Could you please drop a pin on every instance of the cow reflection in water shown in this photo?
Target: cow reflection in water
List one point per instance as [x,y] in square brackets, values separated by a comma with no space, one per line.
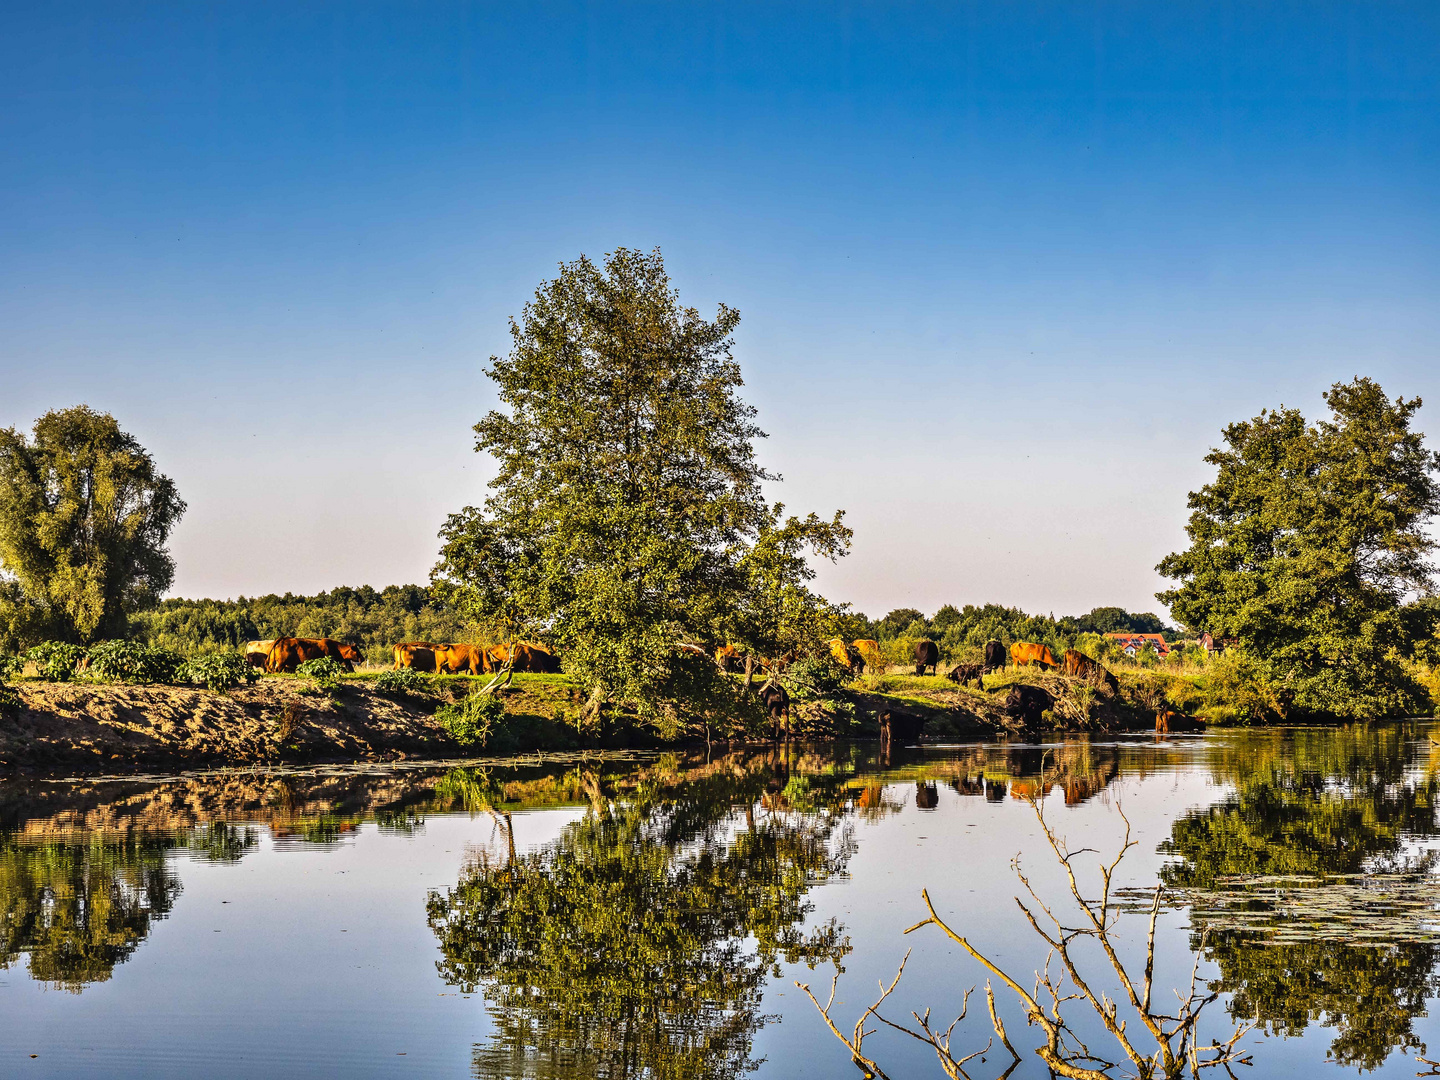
[927,797]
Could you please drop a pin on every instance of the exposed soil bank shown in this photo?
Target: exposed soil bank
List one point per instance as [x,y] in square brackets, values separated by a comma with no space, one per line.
[118,728]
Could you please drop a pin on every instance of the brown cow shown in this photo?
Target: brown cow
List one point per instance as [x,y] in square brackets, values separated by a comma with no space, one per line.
[1167,720]
[257,651]
[288,653]
[927,655]
[1024,653]
[454,659]
[870,653]
[527,658]
[994,656]
[728,658]
[847,656]
[419,657]
[396,650]
[1079,666]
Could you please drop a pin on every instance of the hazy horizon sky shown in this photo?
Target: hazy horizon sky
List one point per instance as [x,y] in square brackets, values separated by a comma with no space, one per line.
[1004,271]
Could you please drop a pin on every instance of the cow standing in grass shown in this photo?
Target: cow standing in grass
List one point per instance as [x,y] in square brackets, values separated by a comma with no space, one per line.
[927,655]
[994,656]
[1025,653]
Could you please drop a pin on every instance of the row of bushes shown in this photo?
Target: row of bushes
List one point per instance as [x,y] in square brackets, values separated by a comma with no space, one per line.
[131,662]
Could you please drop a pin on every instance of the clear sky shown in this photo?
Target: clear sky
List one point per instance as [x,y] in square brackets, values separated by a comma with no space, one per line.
[1005,269]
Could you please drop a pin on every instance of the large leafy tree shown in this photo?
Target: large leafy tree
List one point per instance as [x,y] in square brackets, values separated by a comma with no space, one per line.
[1308,543]
[627,518]
[84,519]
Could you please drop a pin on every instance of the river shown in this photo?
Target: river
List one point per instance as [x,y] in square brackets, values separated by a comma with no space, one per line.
[650,915]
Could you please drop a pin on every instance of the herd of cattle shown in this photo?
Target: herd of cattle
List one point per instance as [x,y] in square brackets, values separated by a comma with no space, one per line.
[862,654]
[288,653]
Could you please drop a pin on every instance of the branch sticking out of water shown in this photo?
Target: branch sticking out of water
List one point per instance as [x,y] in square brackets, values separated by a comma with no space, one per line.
[1178,1050]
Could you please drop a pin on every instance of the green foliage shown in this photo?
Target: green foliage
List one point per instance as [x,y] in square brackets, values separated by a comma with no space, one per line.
[400,682]
[375,619]
[326,671]
[131,661]
[217,671]
[473,720]
[84,519]
[1306,545]
[627,515]
[56,660]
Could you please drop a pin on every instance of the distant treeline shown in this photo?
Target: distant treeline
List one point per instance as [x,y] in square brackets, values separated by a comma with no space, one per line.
[374,619]
[959,631]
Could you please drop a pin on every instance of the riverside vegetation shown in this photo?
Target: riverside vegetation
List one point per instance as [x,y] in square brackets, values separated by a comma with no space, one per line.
[626,529]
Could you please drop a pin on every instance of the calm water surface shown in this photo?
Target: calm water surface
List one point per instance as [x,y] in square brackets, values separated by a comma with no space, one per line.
[649,917]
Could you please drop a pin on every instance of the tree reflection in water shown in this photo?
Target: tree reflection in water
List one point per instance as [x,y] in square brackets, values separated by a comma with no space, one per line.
[78,906]
[1312,803]
[639,941]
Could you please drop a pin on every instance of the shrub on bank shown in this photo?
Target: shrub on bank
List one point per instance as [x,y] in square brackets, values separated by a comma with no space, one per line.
[131,661]
[326,671]
[473,720]
[217,672]
[56,660]
[401,682]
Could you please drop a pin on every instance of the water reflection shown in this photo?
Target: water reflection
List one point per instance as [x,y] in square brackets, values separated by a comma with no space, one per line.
[639,941]
[1311,806]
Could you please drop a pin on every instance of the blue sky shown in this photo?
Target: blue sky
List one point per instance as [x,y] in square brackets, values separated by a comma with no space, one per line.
[1005,270]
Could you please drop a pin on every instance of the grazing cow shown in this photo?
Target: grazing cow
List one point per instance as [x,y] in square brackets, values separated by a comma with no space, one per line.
[417,656]
[994,656]
[961,674]
[927,655]
[396,650]
[455,659]
[1027,703]
[527,658]
[847,656]
[1024,653]
[257,651]
[870,654]
[777,706]
[288,653]
[1079,666]
[899,727]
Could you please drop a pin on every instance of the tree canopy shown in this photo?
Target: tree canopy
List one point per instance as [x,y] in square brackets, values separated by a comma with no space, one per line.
[1308,543]
[84,519]
[627,517]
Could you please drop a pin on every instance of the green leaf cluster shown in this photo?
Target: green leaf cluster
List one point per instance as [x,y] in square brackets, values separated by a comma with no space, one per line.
[1307,546]
[401,682]
[84,520]
[133,661]
[326,671]
[217,671]
[55,660]
[473,720]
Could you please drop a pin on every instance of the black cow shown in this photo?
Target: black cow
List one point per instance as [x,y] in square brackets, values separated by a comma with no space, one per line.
[964,673]
[927,655]
[994,656]
[898,727]
[777,706]
[1028,702]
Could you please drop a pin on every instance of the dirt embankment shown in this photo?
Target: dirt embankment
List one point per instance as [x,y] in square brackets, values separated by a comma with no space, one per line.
[121,728]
